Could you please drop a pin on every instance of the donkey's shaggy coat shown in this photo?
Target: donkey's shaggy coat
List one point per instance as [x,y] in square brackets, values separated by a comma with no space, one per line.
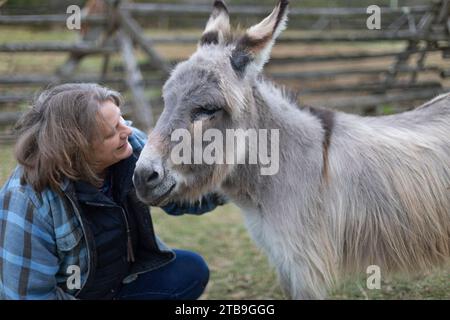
[351,191]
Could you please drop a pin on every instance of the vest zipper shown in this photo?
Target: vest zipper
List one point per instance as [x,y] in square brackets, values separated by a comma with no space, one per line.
[130,253]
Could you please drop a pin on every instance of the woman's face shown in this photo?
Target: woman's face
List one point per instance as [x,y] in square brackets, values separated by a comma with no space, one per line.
[114,146]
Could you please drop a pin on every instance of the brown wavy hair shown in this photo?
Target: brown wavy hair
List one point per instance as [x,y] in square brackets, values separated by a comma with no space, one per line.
[55,136]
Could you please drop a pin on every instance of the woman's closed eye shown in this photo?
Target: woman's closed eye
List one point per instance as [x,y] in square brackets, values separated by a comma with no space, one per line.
[204,112]
[115,129]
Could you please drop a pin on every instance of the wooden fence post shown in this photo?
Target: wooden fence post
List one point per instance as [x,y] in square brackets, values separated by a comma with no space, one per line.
[142,110]
[135,32]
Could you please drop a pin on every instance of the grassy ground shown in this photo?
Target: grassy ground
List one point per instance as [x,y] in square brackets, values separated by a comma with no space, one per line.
[240,271]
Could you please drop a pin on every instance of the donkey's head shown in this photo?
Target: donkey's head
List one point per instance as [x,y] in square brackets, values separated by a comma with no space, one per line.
[213,89]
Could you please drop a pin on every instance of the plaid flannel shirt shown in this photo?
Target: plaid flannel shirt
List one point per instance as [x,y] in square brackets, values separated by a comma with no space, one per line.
[41,237]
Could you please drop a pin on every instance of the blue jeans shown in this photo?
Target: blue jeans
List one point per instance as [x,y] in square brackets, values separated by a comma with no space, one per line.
[185,278]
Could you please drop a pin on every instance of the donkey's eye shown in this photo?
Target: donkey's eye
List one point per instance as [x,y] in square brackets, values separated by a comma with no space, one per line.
[204,112]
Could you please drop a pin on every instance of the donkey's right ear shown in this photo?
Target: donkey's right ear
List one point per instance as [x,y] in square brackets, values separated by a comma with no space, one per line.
[218,26]
[252,51]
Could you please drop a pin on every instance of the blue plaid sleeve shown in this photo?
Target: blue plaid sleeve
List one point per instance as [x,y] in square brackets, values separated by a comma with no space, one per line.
[206,204]
[28,259]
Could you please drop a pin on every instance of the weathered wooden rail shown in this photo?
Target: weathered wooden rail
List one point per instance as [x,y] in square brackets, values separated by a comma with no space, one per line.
[46,19]
[421,31]
[201,9]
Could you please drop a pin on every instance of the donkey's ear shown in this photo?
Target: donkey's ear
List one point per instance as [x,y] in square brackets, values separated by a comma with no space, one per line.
[254,48]
[218,26]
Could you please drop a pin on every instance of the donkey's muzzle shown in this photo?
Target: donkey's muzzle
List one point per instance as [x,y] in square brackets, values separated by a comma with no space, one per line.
[147,178]
[152,184]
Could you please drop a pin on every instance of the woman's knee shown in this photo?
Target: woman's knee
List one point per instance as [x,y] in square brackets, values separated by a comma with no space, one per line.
[193,265]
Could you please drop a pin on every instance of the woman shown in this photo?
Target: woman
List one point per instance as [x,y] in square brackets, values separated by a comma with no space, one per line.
[71,226]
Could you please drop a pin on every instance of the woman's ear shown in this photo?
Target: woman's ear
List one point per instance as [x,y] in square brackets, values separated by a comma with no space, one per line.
[253,50]
[217,29]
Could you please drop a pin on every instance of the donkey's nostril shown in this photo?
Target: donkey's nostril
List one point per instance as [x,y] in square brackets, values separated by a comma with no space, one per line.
[152,177]
[147,178]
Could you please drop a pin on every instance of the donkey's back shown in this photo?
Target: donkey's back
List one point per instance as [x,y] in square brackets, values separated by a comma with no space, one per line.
[391,178]
[432,114]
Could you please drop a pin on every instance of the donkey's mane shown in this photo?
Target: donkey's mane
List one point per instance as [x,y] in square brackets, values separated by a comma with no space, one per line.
[287,94]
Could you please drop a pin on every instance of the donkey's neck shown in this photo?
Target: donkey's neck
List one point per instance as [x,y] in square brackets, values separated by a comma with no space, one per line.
[301,136]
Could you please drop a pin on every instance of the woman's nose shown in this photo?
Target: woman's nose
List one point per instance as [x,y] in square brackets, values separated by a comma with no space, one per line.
[126,133]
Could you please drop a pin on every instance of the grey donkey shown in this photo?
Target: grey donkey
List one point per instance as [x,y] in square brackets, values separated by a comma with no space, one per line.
[350,191]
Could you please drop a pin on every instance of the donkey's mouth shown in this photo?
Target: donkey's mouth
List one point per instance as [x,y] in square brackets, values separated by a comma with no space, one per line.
[157,196]
[163,199]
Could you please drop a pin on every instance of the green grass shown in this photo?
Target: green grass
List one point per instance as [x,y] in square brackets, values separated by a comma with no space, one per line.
[240,271]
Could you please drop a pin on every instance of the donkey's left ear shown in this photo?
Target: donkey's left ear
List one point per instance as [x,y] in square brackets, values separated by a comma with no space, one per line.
[253,49]
[217,29]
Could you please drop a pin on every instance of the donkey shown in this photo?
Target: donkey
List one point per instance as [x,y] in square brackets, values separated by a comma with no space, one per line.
[350,191]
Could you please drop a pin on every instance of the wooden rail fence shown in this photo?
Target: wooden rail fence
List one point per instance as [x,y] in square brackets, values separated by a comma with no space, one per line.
[415,33]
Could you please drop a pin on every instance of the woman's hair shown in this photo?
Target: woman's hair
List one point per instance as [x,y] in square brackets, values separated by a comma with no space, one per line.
[56,134]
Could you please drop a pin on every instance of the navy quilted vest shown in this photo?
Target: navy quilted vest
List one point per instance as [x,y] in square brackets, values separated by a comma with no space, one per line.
[112,223]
